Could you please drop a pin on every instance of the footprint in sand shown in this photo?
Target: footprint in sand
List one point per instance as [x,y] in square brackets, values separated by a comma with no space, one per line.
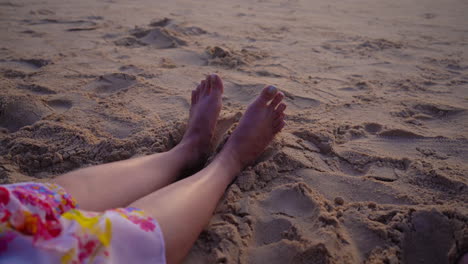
[361,235]
[27,65]
[281,234]
[110,83]
[60,105]
[383,173]
[290,159]
[36,89]
[447,63]
[13,74]
[360,46]
[272,231]
[290,200]
[118,128]
[19,111]
[158,37]
[351,189]
[429,111]
[431,239]
[401,153]
[22,68]
[69,25]
[316,141]
[437,110]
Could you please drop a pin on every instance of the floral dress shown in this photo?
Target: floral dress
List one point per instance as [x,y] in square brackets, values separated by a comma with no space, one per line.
[41,223]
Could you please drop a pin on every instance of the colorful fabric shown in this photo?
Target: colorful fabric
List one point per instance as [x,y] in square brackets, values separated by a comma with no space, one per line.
[41,223]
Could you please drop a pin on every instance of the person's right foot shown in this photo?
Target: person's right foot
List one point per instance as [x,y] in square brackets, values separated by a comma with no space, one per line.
[257,128]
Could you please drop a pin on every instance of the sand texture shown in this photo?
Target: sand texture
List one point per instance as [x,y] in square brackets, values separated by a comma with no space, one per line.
[371,168]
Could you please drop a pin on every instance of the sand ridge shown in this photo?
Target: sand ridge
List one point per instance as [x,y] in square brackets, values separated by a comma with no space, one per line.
[371,167]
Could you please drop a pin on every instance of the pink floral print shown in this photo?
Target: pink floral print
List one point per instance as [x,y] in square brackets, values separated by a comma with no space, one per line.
[45,219]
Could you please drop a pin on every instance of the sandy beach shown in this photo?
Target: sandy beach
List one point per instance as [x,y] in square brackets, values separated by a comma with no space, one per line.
[372,166]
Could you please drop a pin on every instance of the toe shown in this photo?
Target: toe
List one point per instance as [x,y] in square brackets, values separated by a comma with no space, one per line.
[267,94]
[279,127]
[280,108]
[216,83]
[278,115]
[196,94]
[208,84]
[276,100]
[194,97]
[202,88]
[277,122]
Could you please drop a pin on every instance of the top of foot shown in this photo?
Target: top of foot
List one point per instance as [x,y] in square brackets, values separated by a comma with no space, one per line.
[204,112]
[263,119]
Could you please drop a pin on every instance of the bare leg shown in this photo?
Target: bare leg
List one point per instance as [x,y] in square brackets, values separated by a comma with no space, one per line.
[118,184]
[185,207]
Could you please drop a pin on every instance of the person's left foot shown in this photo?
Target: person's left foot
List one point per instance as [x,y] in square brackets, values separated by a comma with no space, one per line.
[204,111]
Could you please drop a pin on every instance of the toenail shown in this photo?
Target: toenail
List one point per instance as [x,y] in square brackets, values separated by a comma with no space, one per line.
[213,78]
[271,90]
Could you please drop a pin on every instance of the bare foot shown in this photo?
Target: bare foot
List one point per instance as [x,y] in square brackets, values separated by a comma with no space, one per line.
[263,119]
[204,112]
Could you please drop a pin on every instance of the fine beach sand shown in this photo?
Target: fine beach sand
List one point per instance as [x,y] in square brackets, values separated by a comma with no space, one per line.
[371,167]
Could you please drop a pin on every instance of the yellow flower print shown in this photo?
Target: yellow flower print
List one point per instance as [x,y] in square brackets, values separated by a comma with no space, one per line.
[92,225]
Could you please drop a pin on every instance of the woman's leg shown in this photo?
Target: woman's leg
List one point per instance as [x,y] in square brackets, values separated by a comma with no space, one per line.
[119,183]
[185,207]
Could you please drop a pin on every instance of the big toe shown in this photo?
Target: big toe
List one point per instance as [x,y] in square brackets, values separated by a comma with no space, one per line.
[267,94]
[216,83]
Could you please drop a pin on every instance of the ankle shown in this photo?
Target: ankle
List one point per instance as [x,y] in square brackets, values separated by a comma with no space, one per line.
[197,139]
[230,160]
[192,150]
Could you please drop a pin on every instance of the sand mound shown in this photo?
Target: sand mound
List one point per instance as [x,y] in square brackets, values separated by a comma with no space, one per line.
[19,111]
[232,58]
